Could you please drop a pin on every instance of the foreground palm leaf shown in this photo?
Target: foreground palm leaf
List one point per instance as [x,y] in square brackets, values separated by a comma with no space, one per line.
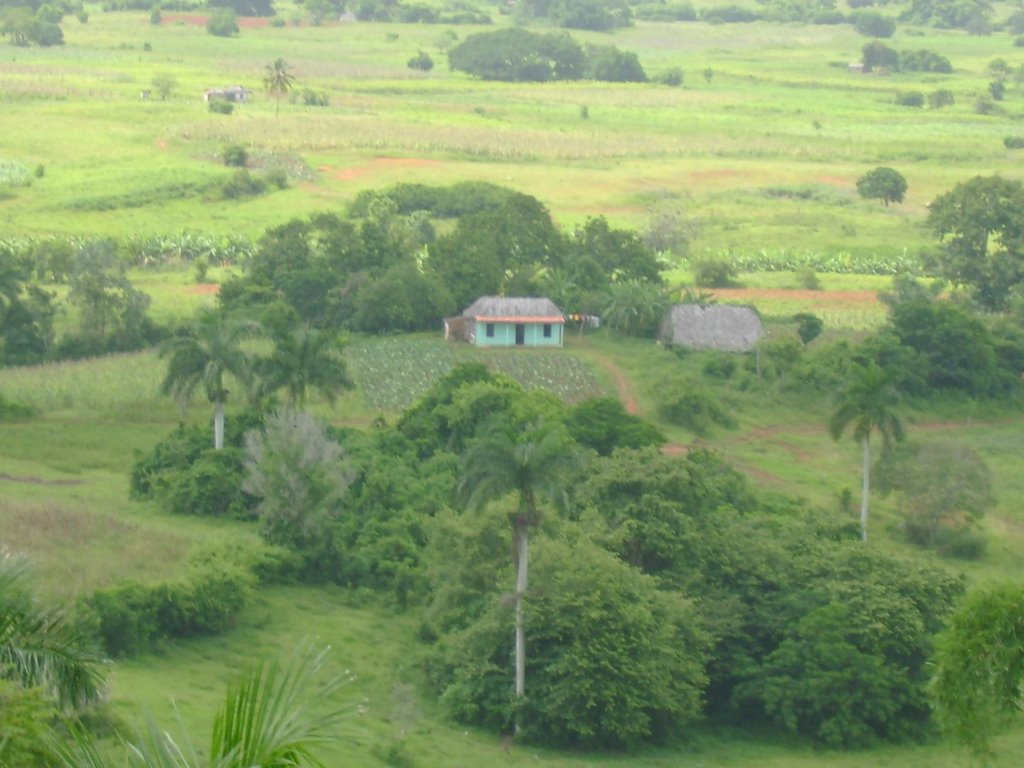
[42,647]
[271,718]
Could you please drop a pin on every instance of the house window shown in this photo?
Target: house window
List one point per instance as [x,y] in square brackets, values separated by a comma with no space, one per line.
[490,330]
[547,330]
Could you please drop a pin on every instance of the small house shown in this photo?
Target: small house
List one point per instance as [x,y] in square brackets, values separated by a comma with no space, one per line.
[726,327]
[234,93]
[499,321]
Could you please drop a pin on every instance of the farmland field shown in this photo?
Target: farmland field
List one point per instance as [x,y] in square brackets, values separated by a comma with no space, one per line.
[764,155]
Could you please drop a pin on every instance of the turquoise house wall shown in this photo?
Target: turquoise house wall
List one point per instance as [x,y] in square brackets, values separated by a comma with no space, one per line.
[505,335]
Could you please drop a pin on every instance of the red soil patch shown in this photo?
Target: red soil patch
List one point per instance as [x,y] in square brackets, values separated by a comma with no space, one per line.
[747,294]
[377,164]
[205,289]
[199,20]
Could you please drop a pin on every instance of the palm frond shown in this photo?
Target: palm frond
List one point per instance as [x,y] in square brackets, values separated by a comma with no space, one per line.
[273,715]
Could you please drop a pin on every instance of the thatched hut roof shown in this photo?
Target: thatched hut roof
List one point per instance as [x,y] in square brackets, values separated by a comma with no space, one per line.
[726,327]
[512,309]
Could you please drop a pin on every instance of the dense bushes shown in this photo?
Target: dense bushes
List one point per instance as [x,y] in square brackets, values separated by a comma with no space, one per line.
[132,618]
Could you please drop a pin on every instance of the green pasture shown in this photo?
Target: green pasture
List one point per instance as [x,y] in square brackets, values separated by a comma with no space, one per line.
[780,112]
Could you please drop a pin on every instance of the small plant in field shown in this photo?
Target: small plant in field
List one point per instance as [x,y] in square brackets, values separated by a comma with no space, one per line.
[997,89]
[807,278]
[940,98]
[672,77]
[235,155]
[202,268]
[277,177]
[1014,142]
[584,112]
[155,16]
[40,171]
[910,99]
[220,106]
[421,61]
[713,272]
[708,74]
[243,184]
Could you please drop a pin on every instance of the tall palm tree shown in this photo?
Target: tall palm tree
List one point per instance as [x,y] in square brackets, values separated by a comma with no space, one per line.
[41,647]
[202,356]
[866,403]
[272,718]
[278,81]
[534,464]
[302,359]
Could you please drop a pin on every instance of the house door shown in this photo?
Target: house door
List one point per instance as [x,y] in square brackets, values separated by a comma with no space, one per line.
[520,334]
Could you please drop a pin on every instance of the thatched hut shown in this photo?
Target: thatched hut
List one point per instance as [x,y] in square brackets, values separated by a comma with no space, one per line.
[726,327]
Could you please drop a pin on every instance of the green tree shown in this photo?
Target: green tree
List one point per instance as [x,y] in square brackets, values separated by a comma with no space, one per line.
[278,81]
[42,647]
[301,359]
[885,184]
[165,85]
[979,667]
[300,475]
[877,55]
[272,716]
[535,465]
[222,23]
[866,403]
[981,224]
[203,356]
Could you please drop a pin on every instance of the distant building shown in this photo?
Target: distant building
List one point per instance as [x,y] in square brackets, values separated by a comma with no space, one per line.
[499,321]
[729,328]
[234,93]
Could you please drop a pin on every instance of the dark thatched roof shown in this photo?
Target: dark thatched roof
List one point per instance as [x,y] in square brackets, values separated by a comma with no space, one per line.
[719,326]
[513,309]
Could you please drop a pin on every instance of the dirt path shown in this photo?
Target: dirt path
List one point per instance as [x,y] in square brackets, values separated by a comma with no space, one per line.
[622,384]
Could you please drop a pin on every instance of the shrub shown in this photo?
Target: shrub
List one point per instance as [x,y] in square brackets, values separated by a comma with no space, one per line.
[243,184]
[211,486]
[222,23]
[809,326]
[719,365]
[155,17]
[132,618]
[1014,142]
[235,155]
[714,272]
[729,14]
[910,99]
[277,177]
[311,98]
[924,61]
[940,98]
[687,404]
[421,61]
[220,106]
[672,77]
[603,424]
[997,89]
[873,24]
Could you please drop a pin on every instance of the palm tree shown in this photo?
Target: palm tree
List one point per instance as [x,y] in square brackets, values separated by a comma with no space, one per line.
[866,402]
[534,464]
[302,359]
[41,647]
[272,717]
[202,356]
[278,81]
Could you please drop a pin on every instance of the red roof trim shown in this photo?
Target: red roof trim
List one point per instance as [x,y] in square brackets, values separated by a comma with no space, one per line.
[530,319]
